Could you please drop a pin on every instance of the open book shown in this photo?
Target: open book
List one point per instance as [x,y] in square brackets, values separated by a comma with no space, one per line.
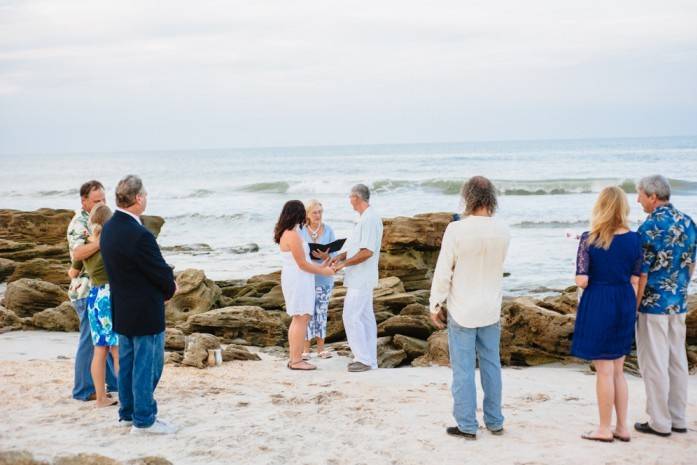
[332,246]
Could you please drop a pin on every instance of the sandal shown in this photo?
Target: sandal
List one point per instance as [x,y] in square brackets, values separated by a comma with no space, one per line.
[301,366]
[596,438]
[325,354]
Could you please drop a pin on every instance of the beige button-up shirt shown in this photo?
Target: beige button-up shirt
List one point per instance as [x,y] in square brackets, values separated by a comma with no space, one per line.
[469,271]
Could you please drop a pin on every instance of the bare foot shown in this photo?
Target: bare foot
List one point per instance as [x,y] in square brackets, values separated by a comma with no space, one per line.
[106,402]
[598,435]
[622,434]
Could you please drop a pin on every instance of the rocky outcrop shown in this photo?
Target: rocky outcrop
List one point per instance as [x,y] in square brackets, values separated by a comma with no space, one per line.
[412,346]
[533,335]
[43,226]
[22,251]
[389,356]
[410,248]
[197,347]
[28,296]
[49,270]
[254,325]
[691,320]
[196,294]
[61,318]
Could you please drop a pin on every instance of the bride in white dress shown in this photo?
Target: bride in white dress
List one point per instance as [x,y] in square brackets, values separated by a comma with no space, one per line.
[297,278]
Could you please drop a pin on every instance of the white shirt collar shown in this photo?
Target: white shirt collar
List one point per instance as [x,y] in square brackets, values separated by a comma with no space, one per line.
[135,217]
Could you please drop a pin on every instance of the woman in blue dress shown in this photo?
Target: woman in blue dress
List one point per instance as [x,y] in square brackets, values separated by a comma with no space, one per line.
[315,231]
[608,268]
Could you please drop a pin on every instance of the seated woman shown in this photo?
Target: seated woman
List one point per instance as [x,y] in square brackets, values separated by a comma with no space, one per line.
[99,310]
[315,231]
[297,280]
[608,268]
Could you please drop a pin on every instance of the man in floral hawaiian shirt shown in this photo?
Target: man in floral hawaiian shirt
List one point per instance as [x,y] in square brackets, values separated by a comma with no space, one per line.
[91,194]
[668,238]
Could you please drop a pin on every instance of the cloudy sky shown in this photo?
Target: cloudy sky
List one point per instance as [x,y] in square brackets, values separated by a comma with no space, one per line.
[92,75]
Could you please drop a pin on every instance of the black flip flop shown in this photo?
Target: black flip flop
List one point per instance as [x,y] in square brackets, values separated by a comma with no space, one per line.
[291,367]
[621,438]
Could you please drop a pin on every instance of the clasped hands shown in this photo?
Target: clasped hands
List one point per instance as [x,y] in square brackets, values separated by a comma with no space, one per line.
[336,263]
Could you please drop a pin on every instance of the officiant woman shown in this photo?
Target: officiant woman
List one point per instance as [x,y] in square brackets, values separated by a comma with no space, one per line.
[315,231]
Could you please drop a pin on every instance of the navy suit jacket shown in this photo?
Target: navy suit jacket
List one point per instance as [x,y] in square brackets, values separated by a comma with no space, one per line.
[139,278]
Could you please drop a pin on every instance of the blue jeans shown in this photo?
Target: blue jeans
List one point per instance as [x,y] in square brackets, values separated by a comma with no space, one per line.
[141,359]
[465,346]
[83,386]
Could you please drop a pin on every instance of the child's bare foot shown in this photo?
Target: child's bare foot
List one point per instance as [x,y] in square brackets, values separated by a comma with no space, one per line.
[106,402]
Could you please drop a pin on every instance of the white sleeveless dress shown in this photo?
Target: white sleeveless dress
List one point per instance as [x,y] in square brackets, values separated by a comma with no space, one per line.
[298,286]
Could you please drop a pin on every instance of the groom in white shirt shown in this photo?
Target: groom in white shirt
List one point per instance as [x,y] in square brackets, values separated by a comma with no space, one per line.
[360,263]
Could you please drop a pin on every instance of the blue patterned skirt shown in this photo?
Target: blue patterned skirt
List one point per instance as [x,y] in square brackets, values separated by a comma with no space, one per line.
[99,314]
[317,327]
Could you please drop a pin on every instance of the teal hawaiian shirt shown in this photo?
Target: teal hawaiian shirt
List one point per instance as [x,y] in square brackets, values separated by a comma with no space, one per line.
[668,237]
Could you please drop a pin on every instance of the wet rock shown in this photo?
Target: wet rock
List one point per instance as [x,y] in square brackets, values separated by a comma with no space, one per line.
[189,249]
[197,346]
[28,296]
[255,325]
[61,318]
[242,249]
[174,339]
[196,294]
[237,352]
[419,327]
[52,271]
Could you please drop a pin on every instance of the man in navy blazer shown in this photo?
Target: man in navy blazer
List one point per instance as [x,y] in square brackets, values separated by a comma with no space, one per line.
[141,282]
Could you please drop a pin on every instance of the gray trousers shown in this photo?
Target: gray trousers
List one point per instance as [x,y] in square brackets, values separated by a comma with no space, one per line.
[662,358]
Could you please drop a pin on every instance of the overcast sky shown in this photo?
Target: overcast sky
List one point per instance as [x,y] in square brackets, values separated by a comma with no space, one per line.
[91,75]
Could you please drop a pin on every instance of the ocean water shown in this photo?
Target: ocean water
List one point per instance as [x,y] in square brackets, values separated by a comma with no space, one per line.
[217,203]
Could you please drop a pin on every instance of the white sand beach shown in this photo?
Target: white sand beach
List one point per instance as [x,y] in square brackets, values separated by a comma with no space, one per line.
[262,413]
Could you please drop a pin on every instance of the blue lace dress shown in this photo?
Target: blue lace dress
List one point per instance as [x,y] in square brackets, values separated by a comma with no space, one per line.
[607,311]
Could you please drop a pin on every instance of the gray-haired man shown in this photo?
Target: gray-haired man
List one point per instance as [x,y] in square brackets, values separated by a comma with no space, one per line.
[669,240]
[360,260]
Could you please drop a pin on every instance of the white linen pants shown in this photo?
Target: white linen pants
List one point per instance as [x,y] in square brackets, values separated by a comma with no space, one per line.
[360,326]
[662,360]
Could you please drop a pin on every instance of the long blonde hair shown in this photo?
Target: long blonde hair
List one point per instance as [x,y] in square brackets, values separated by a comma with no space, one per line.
[99,215]
[610,213]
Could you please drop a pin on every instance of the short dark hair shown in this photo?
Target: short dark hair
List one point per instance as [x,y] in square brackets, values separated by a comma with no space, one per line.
[293,214]
[478,192]
[87,188]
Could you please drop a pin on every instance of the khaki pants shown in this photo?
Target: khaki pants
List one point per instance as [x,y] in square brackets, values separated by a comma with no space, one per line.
[662,358]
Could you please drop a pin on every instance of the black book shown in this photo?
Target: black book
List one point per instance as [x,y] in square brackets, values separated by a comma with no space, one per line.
[332,246]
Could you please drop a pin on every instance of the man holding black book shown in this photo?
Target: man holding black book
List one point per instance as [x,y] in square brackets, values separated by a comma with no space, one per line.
[360,262]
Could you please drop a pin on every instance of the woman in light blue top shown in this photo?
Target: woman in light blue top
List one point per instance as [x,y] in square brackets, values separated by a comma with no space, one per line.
[317,232]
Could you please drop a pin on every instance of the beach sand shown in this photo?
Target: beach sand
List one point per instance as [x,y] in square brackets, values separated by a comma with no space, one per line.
[262,413]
